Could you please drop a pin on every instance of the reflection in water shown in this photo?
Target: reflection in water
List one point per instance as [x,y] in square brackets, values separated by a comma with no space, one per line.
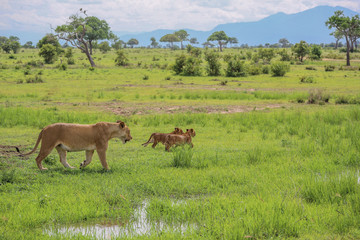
[106,230]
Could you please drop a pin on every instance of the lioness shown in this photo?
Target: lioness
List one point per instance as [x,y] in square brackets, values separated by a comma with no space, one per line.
[172,139]
[66,137]
[155,138]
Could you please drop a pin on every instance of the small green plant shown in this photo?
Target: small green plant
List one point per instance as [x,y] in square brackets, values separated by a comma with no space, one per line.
[92,69]
[307,79]
[35,79]
[62,66]
[145,77]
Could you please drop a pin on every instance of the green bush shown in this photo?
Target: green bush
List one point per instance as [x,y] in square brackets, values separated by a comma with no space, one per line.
[279,69]
[213,67]
[121,59]
[235,68]
[255,69]
[62,66]
[192,67]
[48,52]
[329,68]
[179,64]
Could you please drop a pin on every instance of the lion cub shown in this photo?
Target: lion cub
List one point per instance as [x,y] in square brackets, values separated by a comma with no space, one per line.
[172,139]
[66,137]
[155,138]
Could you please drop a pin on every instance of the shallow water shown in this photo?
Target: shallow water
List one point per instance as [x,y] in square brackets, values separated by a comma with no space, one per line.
[108,229]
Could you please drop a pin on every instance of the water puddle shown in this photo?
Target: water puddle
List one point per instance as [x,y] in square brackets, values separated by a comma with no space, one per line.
[108,230]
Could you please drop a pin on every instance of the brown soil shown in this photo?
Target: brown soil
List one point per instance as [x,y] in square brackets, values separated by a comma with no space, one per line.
[141,109]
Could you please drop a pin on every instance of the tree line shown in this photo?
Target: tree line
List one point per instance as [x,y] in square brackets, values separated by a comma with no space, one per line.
[83,32]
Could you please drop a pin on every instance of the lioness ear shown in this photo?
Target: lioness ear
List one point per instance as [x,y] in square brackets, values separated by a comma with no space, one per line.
[122,124]
[176,129]
[187,130]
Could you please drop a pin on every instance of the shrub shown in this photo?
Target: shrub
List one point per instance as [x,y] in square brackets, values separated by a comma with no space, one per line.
[307,79]
[192,67]
[213,64]
[316,96]
[310,68]
[285,56]
[279,69]
[235,68]
[35,79]
[70,61]
[255,69]
[48,52]
[62,66]
[315,52]
[342,100]
[121,59]
[34,63]
[329,68]
[145,77]
[179,64]
[265,69]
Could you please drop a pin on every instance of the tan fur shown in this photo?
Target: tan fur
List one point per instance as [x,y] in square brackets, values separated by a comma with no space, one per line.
[186,138]
[66,137]
[155,138]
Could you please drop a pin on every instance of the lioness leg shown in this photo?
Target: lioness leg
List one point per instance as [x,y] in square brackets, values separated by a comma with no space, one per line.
[89,154]
[155,143]
[44,152]
[102,156]
[62,155]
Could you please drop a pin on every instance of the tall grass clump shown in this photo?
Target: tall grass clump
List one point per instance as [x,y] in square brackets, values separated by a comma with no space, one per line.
[182,157]
[329,189]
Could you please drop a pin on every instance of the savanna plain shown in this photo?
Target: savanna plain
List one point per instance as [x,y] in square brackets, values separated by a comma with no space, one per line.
[273,157]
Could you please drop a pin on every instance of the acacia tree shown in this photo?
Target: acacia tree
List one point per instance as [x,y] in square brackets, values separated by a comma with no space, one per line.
[300,50]
[99,30]
[154,43]
[183,36]
[349,27]
[338,36]
[133,42]
[76,32]
[220,37]
[171,38]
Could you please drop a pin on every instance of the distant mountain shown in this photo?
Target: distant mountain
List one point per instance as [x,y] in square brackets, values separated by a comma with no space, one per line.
[308,25]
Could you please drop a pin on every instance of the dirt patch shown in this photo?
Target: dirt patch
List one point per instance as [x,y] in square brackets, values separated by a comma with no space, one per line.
[7,150]
[142,109]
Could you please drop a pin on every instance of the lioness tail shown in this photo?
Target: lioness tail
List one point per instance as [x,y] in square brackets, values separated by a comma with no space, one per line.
[36,145]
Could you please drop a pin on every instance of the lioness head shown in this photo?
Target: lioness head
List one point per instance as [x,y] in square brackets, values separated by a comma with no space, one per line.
[191,131]
[123,132]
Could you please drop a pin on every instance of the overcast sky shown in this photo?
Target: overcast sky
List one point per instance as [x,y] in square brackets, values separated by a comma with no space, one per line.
[141,15]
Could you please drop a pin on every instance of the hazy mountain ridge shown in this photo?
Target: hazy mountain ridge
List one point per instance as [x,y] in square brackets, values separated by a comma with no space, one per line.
[308,25]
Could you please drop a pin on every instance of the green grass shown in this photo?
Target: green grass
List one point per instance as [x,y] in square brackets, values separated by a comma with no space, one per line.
[284,173]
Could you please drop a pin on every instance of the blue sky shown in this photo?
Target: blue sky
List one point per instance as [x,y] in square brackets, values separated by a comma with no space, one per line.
[141,15]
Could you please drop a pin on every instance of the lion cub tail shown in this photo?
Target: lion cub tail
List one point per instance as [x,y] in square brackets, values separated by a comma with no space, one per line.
[36,145]
[145,144]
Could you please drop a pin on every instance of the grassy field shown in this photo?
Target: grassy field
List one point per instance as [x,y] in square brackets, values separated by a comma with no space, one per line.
[265,163]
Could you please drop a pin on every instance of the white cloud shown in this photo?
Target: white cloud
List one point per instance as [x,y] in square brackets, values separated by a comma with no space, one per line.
[142,15]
